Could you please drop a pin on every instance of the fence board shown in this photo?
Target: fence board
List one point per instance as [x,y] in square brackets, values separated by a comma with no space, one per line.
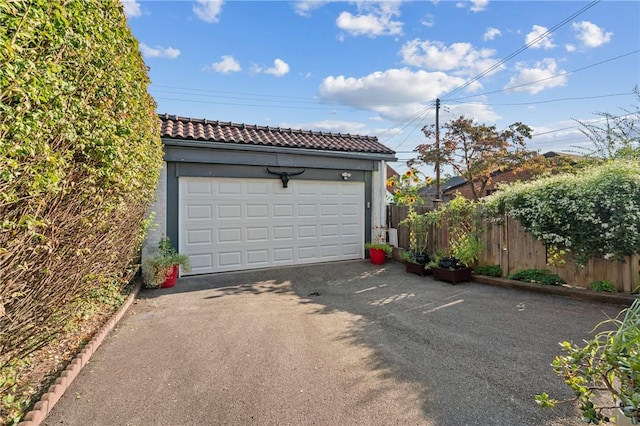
[507,244]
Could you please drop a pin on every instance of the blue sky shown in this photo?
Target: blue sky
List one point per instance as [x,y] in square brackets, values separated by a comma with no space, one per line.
[376,68]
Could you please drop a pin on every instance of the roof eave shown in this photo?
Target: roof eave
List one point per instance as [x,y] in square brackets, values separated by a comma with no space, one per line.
[381,156]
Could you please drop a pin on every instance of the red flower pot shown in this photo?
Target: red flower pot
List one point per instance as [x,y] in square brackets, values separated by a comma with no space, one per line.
[378,257]
[171,277]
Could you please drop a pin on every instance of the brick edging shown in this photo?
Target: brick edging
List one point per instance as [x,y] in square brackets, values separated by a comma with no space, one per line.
[47,401]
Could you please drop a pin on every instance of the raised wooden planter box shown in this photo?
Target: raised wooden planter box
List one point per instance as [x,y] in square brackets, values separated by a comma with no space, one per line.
[416,268]
[452,276]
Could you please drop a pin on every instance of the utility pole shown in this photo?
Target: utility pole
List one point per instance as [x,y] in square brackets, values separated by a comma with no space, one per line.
[438,194]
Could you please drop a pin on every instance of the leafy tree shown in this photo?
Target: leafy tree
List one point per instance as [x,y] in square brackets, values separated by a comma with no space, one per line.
[618,137]
[477,151]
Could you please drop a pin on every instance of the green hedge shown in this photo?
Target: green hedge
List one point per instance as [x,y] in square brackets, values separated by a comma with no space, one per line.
[80,155]
[593,213]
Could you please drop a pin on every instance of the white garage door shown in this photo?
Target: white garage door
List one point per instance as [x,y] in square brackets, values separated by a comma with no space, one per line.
[229,224]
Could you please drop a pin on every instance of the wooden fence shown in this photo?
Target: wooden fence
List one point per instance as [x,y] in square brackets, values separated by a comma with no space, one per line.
[507,244]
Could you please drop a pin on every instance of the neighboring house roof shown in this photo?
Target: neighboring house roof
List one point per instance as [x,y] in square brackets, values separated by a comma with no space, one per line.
[450,183]
[184,128]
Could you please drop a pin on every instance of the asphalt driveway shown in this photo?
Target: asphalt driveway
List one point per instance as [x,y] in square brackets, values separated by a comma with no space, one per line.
[346,343]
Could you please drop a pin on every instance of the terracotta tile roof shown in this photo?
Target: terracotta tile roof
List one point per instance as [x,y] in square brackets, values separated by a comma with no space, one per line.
[175,127]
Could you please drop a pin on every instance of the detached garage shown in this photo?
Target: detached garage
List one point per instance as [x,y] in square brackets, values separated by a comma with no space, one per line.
[236,197]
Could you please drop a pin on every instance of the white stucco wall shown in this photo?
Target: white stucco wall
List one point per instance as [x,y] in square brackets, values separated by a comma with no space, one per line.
[158,227]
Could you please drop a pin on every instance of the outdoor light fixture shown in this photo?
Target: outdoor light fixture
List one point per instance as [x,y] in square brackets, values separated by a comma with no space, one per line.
[345,175]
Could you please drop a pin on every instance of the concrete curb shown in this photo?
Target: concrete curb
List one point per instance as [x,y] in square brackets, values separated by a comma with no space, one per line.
[62,383]
[575,293]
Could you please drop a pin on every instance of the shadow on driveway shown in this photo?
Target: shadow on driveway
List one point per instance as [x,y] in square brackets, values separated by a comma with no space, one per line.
[337,343]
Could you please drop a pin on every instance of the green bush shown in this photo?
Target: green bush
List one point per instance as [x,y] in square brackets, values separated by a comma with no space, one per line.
[603,285]
[541,276]
[594,213]
[488,270]
[80,155]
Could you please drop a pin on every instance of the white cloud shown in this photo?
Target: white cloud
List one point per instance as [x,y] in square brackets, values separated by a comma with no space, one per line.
[590,34]
[208,10]
[475,5]
[491,34]
[479,5]
[537,31]
[570,47]
[461,58]
[226,65]
[428,20]
[159,52]
[131,8]
[479,111]
[305,7]
[378,21]
[394,94]
[537,78]
[278,69]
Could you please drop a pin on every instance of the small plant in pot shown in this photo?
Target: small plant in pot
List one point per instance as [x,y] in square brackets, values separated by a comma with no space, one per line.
[419,226]
[607,366]
[459,218]
[416,262]
[378,247]
[161,269]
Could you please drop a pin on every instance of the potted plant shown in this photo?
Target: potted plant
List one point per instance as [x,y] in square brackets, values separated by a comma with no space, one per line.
[416,263]
[161,269]
[378,247]
[417,257]
[607,366]
[459,218]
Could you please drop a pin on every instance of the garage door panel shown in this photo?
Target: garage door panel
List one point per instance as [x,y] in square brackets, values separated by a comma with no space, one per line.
[229,211]
[330,189]
[196,211]
[258,189]
[229,188]
[283,232]
[307,231]
[329,210]
[283,254]
[283,211]
[255,234]
[198,188]
[329,231]
[257,211]
[201,263]
[351,249]
[229,235]
[307,210]
[230,258]
[351,230]
[258,258]
[199,236]
[306,253]
[233,224]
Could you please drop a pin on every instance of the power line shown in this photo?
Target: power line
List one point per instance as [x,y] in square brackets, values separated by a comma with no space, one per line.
[227,93]
[521,49]
[547,78]
[552,100]
[251,105]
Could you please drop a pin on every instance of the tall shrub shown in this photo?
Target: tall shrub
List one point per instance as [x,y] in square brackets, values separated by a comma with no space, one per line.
[80,155]
[593,213]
